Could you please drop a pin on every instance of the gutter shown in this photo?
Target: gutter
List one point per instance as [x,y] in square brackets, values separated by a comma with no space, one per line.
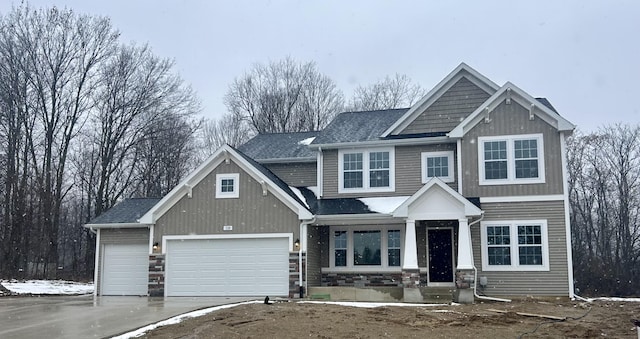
[475,275]
[303,246]
[390,142]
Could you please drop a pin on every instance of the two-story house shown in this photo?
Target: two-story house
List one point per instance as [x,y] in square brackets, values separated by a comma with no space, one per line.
[465,191]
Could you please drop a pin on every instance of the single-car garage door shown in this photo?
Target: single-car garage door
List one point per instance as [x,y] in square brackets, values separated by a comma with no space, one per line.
[227,267]
[125,269]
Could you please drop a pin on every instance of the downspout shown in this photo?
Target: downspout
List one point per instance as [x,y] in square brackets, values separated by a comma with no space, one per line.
[303,247]
[96,264]
[475,272]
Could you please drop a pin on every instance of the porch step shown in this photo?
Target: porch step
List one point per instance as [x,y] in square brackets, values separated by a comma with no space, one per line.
[437,295]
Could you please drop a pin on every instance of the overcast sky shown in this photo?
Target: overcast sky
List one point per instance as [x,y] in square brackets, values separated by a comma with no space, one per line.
[582,55]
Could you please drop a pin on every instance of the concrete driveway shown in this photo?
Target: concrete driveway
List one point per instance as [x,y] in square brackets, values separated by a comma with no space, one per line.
[89,317]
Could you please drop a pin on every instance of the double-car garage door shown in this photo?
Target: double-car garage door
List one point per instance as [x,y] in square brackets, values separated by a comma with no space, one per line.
[227,267]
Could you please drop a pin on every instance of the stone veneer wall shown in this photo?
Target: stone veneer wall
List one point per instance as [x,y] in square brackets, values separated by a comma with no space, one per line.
[156,275]
[362,279]
[294,275]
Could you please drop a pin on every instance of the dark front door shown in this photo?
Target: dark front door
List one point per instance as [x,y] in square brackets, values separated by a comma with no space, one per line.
[440,249]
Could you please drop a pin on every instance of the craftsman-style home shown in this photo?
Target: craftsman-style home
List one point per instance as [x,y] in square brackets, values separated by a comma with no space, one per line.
[463,194]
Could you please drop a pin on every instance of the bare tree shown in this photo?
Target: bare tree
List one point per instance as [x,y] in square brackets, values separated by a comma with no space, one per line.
[604,188]
[392,92]
[229,129]
[284,96]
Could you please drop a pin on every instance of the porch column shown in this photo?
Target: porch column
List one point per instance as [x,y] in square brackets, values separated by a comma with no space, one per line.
[410,255]
[410,270]
[465,254]
[464,271]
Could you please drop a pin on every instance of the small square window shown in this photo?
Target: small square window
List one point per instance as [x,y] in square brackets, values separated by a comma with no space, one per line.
[227,185]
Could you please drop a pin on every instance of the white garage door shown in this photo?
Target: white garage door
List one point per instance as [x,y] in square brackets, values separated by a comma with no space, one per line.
[227,267]
[125,269]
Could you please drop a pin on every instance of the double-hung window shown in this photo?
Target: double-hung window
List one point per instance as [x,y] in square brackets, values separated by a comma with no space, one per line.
[515,245]
[437,165]
[365,248]
[366,170]
[511,159]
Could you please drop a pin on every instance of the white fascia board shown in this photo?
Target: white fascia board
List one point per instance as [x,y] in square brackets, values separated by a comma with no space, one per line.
[302,211]
[286,160]
[518,95]
[117,225]
[386,142]
[435,93]
[180,190]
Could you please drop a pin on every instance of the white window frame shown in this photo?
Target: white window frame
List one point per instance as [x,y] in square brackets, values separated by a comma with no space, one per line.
[236,182]
[366,170]
[384,249]
[511,161]
[427,155]
[515,256]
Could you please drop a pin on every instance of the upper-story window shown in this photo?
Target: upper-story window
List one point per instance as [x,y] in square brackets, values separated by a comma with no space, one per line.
[370,170]
[227,185]
[437,164]
[511,159]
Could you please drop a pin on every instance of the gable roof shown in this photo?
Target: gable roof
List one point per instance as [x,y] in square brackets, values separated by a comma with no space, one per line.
[127,211]
[225,153]
[463,70]
[358,126]
[280,147]
[470,208]
[539,107]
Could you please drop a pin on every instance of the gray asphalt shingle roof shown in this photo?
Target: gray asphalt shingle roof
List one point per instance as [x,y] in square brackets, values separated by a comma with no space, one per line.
[358,126]
[125,212]
[279,146]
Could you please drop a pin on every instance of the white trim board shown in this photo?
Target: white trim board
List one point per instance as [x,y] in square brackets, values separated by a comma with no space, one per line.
[522,198]
[226,236]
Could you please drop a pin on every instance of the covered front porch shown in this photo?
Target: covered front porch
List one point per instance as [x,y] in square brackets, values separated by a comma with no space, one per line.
[418,253]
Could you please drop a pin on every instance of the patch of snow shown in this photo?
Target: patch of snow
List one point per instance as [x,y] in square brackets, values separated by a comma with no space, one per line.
[306,141]
[48,287]
[384,205]
[178,319]
[368,304]
[315,190]
[613,299]
[299,195]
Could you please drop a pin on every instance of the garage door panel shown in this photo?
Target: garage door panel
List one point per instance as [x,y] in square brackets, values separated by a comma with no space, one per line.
[227,267]
[125,269]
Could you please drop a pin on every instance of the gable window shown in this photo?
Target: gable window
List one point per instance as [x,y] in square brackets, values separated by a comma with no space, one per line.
[365,247]
[366,170]
[511,159]
[437,165]
[515,246]
[227,185]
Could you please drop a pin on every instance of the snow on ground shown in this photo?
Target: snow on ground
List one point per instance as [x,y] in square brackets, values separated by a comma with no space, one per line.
[47,287]
[613,299]
[178,319]
[371,305]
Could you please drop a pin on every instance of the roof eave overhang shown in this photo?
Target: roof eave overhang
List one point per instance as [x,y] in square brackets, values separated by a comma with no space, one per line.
[384,142]
[353,219]
[512,92]
[117,225]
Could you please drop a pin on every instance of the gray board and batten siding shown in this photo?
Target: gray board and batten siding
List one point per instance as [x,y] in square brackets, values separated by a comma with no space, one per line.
[512,119]
[450,109]
[134,236]
[408,167]
[203,213]
[545,283]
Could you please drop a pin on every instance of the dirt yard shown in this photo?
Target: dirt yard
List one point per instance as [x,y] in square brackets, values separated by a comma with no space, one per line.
[481,320]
